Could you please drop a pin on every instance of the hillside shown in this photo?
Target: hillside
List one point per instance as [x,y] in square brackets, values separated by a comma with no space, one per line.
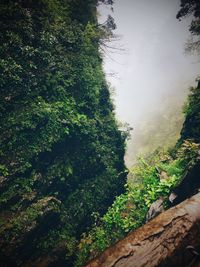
[61,153]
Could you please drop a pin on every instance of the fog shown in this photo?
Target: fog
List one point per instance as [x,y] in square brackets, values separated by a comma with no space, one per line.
[149,70]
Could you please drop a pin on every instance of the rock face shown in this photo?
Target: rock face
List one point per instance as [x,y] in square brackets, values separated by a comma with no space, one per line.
[191,126]
[189,185]
[155,209]
[165,241]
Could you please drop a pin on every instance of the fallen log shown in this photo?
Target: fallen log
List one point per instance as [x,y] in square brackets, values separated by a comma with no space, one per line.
[169,240]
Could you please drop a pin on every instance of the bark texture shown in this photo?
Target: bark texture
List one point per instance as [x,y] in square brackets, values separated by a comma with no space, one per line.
[169,240]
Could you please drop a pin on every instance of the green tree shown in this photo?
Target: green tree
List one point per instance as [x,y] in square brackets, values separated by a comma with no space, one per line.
[188,8]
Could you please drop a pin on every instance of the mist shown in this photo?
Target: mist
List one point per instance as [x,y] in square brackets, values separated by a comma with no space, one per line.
[150,71]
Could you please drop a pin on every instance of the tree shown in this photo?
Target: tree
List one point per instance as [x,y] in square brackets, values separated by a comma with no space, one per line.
[107,2]
[192,7]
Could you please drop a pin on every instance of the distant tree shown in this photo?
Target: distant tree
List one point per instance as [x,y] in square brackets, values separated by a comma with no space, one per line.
[107,2]
[191,7]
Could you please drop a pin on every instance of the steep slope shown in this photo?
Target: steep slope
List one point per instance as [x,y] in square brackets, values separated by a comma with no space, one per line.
[61,153]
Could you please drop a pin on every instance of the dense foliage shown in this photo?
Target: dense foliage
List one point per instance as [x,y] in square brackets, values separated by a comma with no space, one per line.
[61,154]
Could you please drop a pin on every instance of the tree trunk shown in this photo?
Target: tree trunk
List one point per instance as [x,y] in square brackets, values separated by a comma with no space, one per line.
[169,240]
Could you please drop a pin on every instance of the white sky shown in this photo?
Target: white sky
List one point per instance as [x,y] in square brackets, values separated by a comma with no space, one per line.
[154,65]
